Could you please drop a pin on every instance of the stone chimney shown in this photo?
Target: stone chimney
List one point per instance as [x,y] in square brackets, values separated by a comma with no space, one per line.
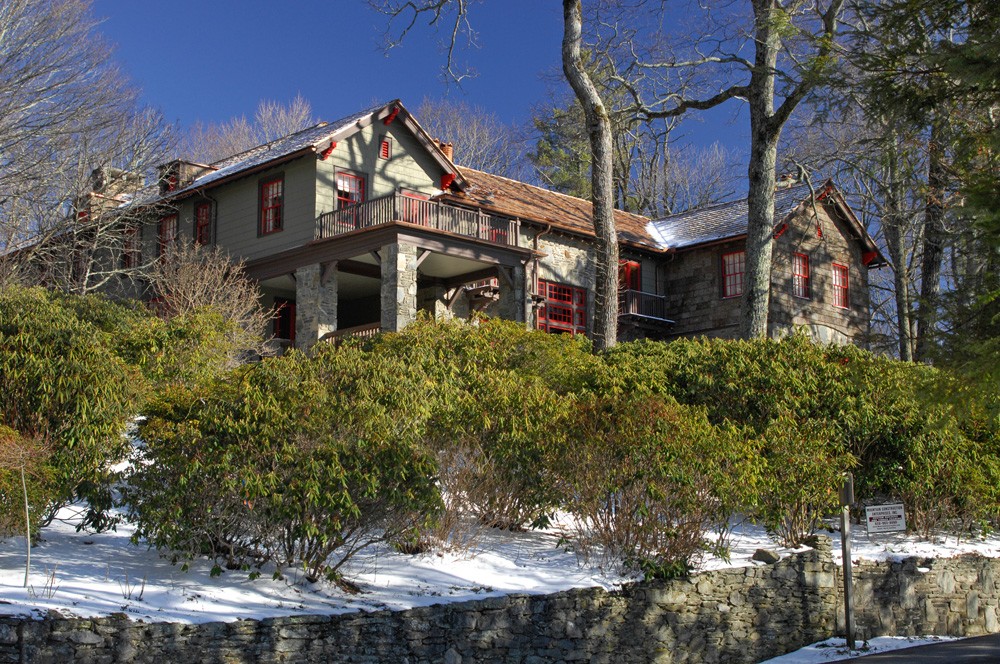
[179,173]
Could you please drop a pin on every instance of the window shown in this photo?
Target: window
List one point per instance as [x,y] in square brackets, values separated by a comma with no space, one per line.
[203,223]
[800,275]
[284,319]
[385,149]
[272,198]
[350,189]
[166,234]
[564,308]
[132,246]
[733,266]
[841,294]
[629,275]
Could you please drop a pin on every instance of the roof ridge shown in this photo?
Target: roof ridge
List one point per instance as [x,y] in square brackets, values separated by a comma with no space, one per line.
[321,123]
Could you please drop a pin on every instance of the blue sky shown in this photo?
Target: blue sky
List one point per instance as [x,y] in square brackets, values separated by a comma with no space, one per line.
[212,60]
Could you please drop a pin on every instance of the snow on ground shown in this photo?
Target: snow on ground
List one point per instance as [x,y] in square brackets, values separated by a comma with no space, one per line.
[832,650]
[86,574]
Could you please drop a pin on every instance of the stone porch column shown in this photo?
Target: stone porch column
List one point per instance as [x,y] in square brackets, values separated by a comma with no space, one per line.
[399,286]
[513,303]
[315,303]
[435,300]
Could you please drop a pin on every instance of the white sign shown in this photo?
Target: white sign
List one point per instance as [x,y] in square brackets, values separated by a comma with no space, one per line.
[885,518]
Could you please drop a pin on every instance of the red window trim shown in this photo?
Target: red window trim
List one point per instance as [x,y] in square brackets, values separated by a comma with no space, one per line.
[270,205]
[203,223]
[385,148]
[732,280]
[359,190]
[800,276]
[284,319]
[841,291]
[564,308]
[630,275]
[132,246]
[166,233]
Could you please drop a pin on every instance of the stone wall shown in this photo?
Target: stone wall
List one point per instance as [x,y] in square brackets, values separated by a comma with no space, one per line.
[736,615]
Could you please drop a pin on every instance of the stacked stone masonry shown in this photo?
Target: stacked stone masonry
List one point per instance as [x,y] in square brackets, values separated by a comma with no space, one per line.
[736,615]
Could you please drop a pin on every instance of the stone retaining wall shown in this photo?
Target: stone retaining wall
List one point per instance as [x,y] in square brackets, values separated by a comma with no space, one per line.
[736,615]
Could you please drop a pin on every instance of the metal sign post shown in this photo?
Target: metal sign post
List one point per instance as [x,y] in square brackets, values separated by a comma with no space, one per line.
[846,500]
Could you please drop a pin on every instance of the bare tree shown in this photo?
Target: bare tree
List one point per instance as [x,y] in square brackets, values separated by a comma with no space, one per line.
[191,277]
[210,143]
[68,121]
[480,139]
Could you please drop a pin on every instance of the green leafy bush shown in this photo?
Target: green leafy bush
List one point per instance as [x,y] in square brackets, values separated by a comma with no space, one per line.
[62,383]
[837,404]
[25,477]
[292,460]
[495,440]
[646,478]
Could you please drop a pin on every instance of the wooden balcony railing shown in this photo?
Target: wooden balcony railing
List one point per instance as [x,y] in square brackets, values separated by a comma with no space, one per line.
[364,331]
[396,207]
[638,303]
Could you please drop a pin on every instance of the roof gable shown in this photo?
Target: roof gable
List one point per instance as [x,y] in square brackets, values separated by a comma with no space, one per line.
[730,220]
[314,140]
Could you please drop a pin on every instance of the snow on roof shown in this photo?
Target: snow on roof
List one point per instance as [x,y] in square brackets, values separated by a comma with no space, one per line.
[719,222]
[282,147]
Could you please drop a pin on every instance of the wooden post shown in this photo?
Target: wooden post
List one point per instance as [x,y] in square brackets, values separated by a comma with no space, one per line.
[846,499]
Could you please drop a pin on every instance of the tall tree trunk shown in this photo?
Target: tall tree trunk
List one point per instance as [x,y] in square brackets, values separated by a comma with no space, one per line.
[895,240]
[933,250]
[764,133]
[605,330]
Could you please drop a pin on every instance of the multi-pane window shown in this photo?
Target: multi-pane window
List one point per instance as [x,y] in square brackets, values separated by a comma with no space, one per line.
[166,234]
[385,149]
[132,246]
[271,201]
[733,267]
[203,223]
[800,275]
[284,319]
[841,292]
[350,189]
[564,308]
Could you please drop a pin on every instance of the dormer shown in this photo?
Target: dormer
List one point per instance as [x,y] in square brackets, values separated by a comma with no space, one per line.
[179,173]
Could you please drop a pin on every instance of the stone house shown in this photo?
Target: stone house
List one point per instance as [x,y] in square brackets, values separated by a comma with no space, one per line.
[355,226]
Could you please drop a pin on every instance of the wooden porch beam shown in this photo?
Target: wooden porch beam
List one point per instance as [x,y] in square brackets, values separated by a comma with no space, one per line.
[423,255]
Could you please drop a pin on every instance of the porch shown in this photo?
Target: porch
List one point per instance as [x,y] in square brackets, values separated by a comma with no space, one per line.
[374,266]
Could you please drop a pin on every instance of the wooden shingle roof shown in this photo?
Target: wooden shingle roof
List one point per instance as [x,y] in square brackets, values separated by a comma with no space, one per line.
[510,198]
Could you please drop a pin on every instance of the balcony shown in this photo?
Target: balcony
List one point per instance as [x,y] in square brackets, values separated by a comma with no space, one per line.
[649,307]
[396,207]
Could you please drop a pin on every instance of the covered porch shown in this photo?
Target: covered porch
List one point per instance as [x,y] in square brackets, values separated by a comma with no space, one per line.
[377,277]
